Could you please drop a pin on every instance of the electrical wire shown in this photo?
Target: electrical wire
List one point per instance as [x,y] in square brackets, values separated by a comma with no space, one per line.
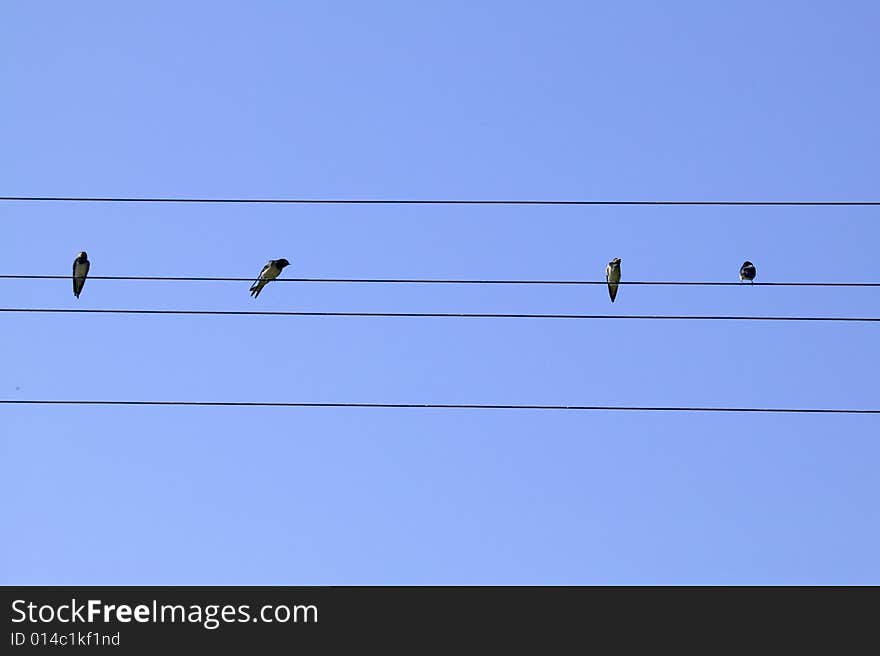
[455,315]
[447,406]
[389,201]
[447,281]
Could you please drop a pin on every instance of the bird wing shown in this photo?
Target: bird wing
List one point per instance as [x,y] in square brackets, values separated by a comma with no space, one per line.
[79,277]
[612,275]
[272,272]
[262,275]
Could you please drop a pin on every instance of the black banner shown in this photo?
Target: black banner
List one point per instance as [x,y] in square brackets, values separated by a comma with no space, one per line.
[244,619]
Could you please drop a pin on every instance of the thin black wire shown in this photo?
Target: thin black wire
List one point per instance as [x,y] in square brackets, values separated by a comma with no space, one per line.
[455,315]
[366,201]
[445,406]
[446,281]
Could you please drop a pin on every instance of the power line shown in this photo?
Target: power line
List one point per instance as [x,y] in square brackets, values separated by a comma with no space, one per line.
[446,406]
[454,315]
[389,201]
[448,281]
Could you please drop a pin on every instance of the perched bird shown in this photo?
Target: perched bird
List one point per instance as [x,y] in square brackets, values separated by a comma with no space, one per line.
[612,275]
[269,272]
[747,271]
[80,271]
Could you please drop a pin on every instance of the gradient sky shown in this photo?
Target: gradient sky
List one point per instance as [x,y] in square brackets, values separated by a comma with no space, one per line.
[564,100]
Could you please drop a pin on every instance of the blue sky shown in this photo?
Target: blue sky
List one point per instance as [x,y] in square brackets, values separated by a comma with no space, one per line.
[567,100]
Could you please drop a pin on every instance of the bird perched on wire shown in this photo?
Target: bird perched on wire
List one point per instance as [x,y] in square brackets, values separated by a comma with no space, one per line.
[612,275]
[270,272]
[80,270]
[747,271]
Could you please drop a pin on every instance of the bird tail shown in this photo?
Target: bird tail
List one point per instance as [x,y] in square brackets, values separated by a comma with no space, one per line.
[257,287]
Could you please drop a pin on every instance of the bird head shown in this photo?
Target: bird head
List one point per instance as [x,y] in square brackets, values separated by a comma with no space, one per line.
[282,263]
[82,256]
[747,264]
[615,263]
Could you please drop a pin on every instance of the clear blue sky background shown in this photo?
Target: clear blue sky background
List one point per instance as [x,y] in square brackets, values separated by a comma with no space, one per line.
[566,100]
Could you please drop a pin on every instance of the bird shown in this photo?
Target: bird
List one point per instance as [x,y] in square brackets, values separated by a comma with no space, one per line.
[80,270]
[747,271]
[612,275]
[270,272]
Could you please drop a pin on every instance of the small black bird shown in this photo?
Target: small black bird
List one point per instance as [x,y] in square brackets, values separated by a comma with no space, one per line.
[80,270]
[270,272]
[612,275]
[747,271]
